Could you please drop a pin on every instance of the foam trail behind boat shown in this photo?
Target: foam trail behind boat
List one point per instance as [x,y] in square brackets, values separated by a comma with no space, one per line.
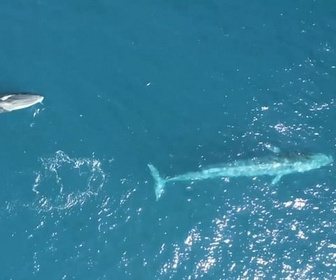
[158,180]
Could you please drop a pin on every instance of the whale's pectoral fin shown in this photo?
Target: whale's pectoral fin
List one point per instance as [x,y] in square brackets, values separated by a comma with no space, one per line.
[276,179]
[272,148]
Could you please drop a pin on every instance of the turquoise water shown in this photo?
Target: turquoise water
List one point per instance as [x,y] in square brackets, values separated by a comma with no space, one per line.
[179,84]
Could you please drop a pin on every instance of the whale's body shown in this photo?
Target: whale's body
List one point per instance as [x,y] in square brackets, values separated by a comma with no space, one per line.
[275,166]
[17,101]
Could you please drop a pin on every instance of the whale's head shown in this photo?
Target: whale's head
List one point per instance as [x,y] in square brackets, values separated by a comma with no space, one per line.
[306,162]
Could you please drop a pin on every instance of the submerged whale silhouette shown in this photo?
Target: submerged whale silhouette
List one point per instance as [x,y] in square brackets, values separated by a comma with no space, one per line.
[17,101]
[276,166]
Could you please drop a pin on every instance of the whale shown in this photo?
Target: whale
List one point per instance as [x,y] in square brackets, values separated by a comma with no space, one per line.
[17,101]
[275,166]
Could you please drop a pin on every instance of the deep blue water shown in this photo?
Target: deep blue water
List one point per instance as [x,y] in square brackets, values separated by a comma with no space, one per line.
[180,84]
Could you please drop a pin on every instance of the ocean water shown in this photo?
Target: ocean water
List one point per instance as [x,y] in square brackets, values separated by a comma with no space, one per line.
[181,85]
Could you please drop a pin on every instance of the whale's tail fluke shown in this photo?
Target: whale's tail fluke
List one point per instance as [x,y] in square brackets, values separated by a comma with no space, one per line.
[159,181]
